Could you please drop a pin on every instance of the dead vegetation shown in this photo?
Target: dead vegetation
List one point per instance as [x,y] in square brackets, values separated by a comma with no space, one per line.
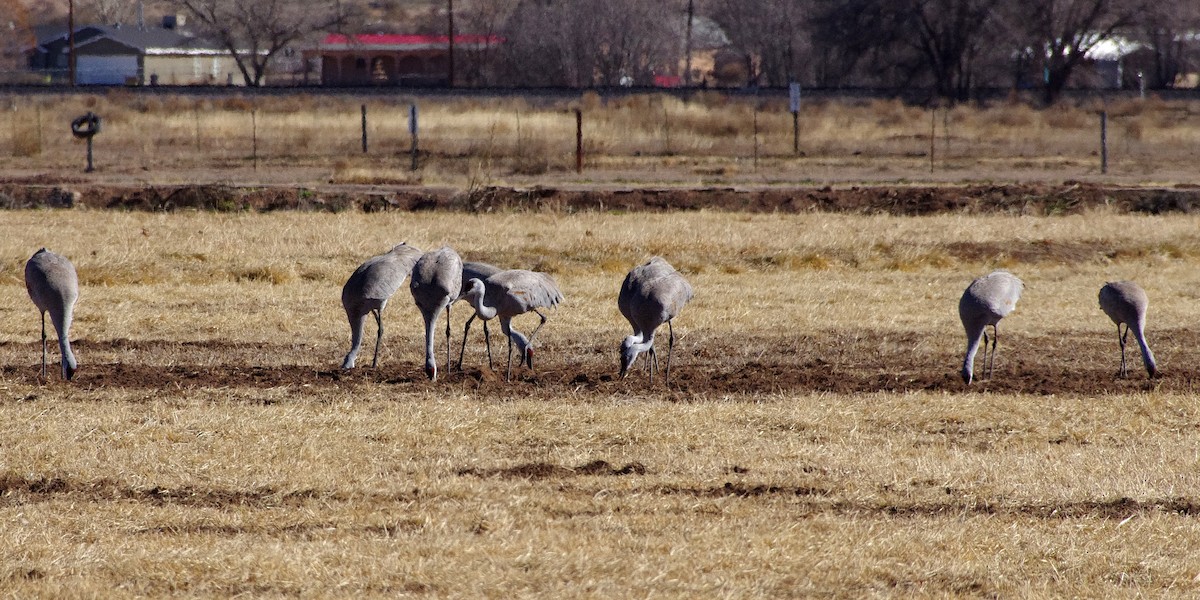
[816,440]
[703,140]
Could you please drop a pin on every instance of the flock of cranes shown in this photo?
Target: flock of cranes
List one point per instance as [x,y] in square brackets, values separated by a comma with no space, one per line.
[437,280]
[990,298]
[652,294]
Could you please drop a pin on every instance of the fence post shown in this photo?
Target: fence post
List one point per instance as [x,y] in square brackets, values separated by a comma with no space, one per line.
[932,135]
[1104,142]
[756,133]
[578,140]
[666,128]
[412,131]
[364,128]
[254,136]
[794,107]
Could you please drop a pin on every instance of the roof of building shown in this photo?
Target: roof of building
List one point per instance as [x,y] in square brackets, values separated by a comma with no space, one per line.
[147,40]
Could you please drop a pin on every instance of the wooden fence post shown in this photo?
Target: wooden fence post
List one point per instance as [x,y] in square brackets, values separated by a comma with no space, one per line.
[364,128]
[578,140]
[1104,142]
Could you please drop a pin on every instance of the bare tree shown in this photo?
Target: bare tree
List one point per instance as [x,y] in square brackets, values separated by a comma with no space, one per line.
[538,49]
[948,34]
[859,42]
[1061,33]
[923,42]
[16,36]
[588,42]
[486,20]
[1164,30]
[108,12]
[630,39]
[772,34]
[255,31]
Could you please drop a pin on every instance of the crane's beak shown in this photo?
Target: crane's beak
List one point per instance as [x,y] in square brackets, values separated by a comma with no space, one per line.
[431,373]
[529,358]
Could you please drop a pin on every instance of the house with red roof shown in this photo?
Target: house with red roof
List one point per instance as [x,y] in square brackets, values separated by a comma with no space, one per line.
[392,59]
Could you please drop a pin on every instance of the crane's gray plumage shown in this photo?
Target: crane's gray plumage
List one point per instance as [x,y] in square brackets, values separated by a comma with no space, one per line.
[1125,302]
[435,284]
[510,293]
[368,290]
[53,286]
[987,300]
[652,294]
[481,271]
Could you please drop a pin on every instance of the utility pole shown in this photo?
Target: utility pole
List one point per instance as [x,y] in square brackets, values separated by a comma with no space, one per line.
[450,36]
[71,39]
[687,45]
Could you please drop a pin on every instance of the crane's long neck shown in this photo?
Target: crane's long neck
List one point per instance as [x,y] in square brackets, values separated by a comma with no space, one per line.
[1147,356]
[518,339]
[632,347]
[640,343]
[62,324]
[475,297]
[974,337]
[431,318]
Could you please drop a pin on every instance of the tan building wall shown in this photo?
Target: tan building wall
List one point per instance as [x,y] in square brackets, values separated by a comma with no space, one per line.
[203,69]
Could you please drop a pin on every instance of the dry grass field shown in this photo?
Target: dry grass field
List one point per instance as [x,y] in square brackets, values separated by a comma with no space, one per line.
[705,139]
[815,439]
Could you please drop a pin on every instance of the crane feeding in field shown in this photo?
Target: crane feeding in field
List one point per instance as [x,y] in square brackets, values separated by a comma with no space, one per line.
[508,294]
[1125,302]
[652,294]
[368,290]
[987,300]
[53,286]
[435,284]
[481,271]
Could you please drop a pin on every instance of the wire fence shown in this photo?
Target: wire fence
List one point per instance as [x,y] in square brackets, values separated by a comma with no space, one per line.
[533,134]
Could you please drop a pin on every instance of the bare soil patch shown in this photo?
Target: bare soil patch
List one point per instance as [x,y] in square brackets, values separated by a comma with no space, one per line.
[1023,198]
[834,362]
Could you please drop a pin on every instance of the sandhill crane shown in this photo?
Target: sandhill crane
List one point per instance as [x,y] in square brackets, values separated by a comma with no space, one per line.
[368,290]
[1126,302]
[987,300]
[435,284]
[54,286]
[481,271]
[652,293]
[508,294]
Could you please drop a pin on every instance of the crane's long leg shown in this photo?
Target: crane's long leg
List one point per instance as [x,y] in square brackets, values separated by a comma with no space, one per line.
[535,329]
[466,329]
[487,341]
[1123,337]
[670,347]
[448,338]
[983,369]
[990,360]
[43,345]
[995,342]
[508,373]
[506,327]
[378,336]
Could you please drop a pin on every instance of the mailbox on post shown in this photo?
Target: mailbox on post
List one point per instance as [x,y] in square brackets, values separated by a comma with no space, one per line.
[86,127]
